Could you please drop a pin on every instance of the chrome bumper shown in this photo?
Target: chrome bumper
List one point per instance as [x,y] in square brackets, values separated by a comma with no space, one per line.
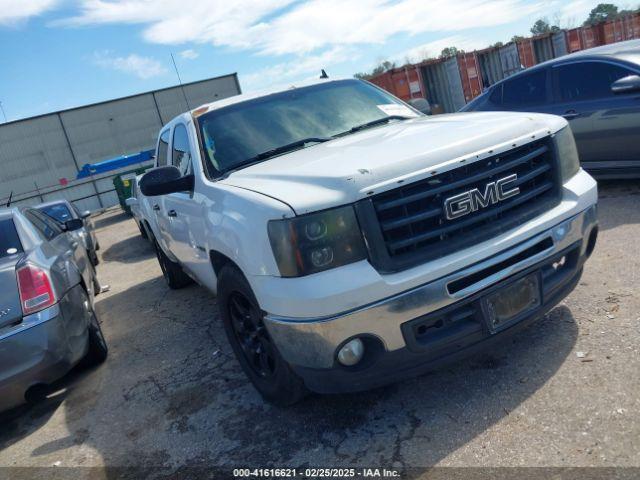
[313,342]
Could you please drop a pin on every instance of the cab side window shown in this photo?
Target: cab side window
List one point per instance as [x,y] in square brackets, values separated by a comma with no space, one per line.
[163,147]
[181,152]
[587,80]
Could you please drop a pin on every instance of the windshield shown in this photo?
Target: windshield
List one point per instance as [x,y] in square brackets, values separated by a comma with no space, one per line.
[58,212]
[238,134]
[9,240]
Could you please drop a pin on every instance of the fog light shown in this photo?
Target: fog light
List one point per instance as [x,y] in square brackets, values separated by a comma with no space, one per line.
[351,353]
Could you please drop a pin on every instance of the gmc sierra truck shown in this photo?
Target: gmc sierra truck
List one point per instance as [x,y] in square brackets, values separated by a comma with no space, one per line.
[353,241]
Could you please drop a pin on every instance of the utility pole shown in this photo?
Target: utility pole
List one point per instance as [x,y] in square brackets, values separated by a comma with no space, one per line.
[3,114]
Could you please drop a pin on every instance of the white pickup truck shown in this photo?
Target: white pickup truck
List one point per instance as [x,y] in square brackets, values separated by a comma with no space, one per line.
[353,241]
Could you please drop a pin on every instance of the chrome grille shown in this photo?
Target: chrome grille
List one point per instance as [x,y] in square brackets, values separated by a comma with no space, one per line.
[410,220]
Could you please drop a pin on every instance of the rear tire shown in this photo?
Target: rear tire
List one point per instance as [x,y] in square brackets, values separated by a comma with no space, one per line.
[256,352]
[97,351]
[172,271]
[93,256]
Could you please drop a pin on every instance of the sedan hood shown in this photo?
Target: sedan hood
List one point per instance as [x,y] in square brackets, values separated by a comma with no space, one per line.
[353,167]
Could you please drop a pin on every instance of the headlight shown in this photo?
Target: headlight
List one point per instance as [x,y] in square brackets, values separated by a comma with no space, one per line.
[316,242]
[567,153]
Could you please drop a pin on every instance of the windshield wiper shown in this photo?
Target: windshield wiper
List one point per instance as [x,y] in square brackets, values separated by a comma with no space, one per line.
[373,123]
[289,147]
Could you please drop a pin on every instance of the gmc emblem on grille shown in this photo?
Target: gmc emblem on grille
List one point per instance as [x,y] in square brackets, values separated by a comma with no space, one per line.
[473,200]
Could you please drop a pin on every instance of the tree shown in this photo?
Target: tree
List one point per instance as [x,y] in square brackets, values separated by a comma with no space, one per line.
[450,52]
[602,12]
[382,67]
[542,26]
[497,45]
[516,38]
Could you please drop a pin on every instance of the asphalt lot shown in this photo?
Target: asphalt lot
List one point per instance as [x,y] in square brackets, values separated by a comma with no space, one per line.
[565,392]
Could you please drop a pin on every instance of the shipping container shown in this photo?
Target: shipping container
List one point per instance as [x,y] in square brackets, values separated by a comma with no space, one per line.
[510,60]
[470,75]
[543,48]
[403,82]
[559,40]
[443,85]
[621,29]
[585,37]
[490,66]
[527,55]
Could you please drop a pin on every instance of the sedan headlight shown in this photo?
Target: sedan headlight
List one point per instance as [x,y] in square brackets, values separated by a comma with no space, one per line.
[316,242]
[567,153]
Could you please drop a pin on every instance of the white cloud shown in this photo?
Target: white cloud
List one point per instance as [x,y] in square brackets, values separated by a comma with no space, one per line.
[12,11]
[141,67]
[275,27]
[189,54]
[433,49]
[298,69]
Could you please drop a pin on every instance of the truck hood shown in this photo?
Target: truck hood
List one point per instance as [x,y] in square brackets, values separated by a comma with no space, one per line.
[353,167]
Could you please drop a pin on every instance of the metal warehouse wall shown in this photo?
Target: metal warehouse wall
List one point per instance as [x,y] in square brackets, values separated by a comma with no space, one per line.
[35,153]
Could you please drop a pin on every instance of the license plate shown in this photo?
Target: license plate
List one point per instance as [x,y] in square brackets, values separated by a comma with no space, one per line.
[507,305]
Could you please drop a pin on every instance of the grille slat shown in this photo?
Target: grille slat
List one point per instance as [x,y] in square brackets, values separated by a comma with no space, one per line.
[408,224]
[411,219]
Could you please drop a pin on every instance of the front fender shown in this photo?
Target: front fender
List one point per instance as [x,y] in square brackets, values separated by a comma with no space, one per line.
[236,226]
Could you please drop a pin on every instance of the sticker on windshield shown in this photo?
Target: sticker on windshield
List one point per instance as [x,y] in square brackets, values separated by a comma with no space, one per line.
[397,109]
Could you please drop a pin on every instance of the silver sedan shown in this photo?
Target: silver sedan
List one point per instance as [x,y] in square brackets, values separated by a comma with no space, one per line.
[47,320]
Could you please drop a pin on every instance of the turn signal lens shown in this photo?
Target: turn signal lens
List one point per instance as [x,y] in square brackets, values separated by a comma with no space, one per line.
[567,153]
[35,289]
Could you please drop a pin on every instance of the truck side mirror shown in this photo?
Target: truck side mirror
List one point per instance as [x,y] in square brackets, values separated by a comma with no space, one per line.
[165,180]
[85,214]
[131,201]
[627,84]
[421,104]
[73,224]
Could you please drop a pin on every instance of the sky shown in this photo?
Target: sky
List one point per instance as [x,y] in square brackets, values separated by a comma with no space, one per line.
[57,54]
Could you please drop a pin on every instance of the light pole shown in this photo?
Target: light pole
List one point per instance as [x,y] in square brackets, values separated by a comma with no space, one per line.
[3,114]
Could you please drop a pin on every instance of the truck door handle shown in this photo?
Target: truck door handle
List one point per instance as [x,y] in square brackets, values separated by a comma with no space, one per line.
[74,244]
[156,208]
[172,213]
[569,114]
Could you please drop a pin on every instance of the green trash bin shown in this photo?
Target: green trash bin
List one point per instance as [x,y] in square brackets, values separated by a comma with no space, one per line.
[124,183]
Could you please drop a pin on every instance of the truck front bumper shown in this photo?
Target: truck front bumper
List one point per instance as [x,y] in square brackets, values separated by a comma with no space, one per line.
[441,321]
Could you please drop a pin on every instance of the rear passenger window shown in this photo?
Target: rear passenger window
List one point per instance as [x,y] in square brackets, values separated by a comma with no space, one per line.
[181,153]
[530,89]
[45,226]
[9,241]
[588,80]
[163,147]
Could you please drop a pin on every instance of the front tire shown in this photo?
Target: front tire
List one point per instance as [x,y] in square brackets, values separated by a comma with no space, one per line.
[172,271]
[258,356]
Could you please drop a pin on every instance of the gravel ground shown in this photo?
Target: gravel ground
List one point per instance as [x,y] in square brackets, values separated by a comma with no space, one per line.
[563,393]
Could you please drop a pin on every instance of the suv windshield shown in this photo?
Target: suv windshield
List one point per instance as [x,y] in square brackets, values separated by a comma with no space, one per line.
[253,130]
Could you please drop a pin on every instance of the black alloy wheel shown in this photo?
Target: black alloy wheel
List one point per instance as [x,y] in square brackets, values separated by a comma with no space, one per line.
[252,335]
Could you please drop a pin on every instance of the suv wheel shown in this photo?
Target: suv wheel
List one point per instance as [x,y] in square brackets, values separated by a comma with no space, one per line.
[172,271]
[257,354]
